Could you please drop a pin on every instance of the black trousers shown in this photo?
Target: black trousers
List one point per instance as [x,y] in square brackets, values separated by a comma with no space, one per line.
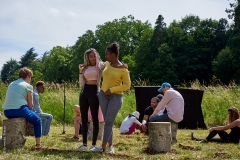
[88,98]
[224,137]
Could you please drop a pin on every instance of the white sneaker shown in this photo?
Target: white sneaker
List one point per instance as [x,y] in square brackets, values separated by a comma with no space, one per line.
[96,149]
[92,147]
[82,148]
[111,149]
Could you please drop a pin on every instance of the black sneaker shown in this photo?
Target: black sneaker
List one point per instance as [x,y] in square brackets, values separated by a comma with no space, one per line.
[192,136]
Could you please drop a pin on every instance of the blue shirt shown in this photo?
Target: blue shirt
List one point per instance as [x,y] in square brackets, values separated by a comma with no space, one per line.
[16,95]
[36,105]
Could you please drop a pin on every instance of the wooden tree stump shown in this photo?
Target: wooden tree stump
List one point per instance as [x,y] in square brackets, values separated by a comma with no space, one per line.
[90,131]
[29,130]
[13,133]
[159,134]
[100,132]
[1,141]
[174,127]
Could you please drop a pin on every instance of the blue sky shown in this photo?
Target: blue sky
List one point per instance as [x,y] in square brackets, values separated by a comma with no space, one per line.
[43,24]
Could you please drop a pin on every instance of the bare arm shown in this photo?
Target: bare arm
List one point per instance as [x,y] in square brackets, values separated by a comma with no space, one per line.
[145,119]
[30,99]
[229,126]
[162,103]
[81,77]
[144,122]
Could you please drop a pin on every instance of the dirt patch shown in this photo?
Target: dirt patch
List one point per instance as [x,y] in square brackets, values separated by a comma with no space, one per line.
[147,150]
[220,155]
[189,147]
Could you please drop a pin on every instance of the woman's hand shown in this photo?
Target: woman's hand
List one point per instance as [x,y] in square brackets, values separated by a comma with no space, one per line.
[144,128]
[108,92]
[81,67]
[211,129]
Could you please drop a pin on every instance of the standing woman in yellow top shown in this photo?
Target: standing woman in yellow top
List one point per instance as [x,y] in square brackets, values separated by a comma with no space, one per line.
[116,79]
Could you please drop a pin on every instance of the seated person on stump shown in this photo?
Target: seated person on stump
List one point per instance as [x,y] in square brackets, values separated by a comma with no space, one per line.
[46,118]
[149,111]
[19,102]
[173,103]
[233,124]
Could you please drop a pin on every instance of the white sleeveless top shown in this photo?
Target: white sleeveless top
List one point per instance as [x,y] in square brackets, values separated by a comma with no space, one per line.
[90,73]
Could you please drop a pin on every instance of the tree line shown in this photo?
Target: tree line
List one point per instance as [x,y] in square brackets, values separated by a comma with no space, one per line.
[184,51]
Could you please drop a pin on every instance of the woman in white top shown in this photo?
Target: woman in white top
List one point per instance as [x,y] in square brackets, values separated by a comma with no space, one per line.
[130,123]
[89,78]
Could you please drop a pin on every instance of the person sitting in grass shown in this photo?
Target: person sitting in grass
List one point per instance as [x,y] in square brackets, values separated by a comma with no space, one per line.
[233,124]
[149,111]
[77,120]
[46,117]
[130,123]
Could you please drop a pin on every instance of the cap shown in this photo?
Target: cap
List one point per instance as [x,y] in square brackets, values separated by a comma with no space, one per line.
[165,84]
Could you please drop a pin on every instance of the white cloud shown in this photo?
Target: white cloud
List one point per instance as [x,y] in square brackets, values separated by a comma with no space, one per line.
[55,12]
[72,14]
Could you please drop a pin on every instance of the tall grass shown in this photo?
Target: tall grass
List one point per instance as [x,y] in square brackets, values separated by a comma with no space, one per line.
[216,100]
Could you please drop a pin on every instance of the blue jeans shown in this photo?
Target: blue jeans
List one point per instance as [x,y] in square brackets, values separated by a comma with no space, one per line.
[46,122]
[30,116]
[160,118]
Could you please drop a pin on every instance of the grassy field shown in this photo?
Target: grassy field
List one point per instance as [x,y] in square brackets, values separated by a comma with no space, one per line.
[134,146]
[216,100]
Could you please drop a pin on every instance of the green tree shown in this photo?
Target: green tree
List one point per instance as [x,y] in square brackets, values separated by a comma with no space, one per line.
[8,69]
[126,31]
[222,66]
[235,48]
[58,66]
[148,54]
[27,58]
[193,44]
[163,67]
[142,57]
[222,35]
[130,61]
[159,36]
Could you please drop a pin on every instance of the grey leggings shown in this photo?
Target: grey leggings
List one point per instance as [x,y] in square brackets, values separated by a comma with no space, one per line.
[110,106]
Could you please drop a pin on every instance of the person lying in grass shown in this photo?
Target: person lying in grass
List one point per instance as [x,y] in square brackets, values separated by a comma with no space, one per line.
[233,124]
[130,123]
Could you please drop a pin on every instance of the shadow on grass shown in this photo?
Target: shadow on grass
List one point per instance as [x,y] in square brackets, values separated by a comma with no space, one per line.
[149,151]
[69,154]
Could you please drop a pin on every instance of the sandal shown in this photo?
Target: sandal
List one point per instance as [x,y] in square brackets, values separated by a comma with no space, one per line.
[39,146]
[75,138]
